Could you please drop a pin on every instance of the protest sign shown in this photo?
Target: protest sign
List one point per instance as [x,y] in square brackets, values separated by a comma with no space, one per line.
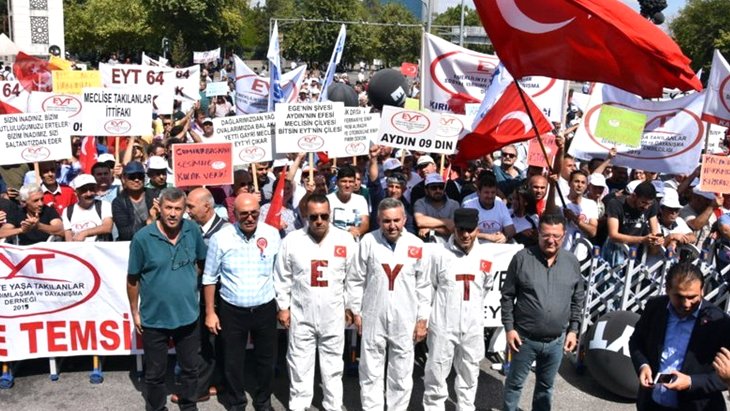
[14,95]
[207,56]
[27,138]
[73,82]
[252,136]
[546,93]
[535,157]
[359,129]
[715,139]
[61,63]
[715,174]
[201,164]
[412,104]
[165,83]
[621,126]
[717,104]
[308,127]
[252,91]
[116,112]
[216,88]
[67,105]
[416,130]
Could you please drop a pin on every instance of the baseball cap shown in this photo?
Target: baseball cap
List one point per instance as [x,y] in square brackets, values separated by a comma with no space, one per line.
[156,163]
[707,195]
[391,164]
[434,178]
[133,167]
[106,157]
[207,120]
[82,180]
[671,199]
[466,218]
[597,180]
[423,160]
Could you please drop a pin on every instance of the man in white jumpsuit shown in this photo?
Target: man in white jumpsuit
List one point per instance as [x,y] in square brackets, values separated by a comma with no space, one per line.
[389,297]
[309,278]
[461,275]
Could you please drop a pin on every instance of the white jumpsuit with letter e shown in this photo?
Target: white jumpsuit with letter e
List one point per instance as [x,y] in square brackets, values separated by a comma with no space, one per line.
[456,327]
[309,278]
[391,289]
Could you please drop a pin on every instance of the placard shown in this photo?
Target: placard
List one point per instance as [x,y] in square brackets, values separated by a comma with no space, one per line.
[165,82]
[359,129]
[28,138]
[116,112]
[216,88]
[74,81]
[201,164]
[715,174]
[67,105]
[412,130]
[451,129]
[308,127]
[619,125]
[535,156]
[252,136]
[13,93]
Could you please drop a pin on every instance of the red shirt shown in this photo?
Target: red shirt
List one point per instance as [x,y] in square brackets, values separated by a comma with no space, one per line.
[63,197]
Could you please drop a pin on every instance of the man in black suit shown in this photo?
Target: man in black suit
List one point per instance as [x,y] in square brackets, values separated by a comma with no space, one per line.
[679,334]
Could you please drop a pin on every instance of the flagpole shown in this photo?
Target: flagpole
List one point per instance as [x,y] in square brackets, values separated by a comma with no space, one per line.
[255,177]
[116,149]
[420,68]
[537,135]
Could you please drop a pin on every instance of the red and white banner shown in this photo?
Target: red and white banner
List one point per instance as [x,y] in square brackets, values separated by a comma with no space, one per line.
[64,299]
[717,102]
[149,61]
[252,91]
[673,135]
[207,56]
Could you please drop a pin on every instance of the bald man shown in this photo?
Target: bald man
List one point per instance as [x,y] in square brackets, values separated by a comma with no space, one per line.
[241,260]
[201,209]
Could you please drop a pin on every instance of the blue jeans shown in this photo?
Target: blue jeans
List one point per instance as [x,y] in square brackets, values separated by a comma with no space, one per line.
[548,357]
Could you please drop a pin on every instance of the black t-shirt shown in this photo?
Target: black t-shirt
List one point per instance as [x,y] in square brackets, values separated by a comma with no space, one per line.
[631,221]
[34,236]
[10,208]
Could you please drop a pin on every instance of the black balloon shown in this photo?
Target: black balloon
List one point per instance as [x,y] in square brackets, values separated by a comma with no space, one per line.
[342,92]
[388,87]
[658,18]
[612,369]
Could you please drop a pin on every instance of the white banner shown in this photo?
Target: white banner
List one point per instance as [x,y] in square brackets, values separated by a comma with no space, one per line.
[252,91]
[715,139]
[64,104]
[164,82]
[252,136]
[117,112]
[717,102]
[546,93]
[27,138]
[308,127]
[216,88]
[360,128]
[673,135]
[149,61]
[417,130]
[13,93]
[206,56]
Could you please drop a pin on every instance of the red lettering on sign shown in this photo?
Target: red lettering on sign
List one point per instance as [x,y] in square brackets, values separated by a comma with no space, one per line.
[62,101]
[411,117]
[32,329]
[3,351]
[392,274]
[16,268]
[82,337]
[485,66]
[54,335]
[316,273]
[108,330]
[260,86]
[467,279]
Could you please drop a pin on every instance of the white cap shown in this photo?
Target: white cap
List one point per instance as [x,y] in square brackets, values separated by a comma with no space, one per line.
[631,186]
[281,162]
[156,163]
[434,178]
[425,159]
[598,180]
[82,180]
[671,198]
[707,195]
[208,120]
[391,164]
[103,158]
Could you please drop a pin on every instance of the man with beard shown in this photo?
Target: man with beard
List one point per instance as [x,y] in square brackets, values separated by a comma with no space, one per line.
[310,277]
[434,213]
[425,166]
[35,222]
[162,287]
[538,185]
[135,207]
[508,175]
[89,219]
[105,189]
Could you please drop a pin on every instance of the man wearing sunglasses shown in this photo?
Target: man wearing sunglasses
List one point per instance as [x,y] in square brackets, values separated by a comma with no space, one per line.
[89,219]
[135,206]
[309,279]
[508,175]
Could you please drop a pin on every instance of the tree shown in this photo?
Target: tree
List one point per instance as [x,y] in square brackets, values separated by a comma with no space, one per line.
[396,43]
[700,27]
[452,17]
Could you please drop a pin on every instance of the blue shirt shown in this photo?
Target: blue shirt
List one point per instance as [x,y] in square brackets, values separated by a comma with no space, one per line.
[676,340]
[244,266]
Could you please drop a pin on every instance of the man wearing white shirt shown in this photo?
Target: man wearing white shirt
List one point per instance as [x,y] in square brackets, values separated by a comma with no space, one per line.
[580,212]
[89,219]
[495,223]
[349,210]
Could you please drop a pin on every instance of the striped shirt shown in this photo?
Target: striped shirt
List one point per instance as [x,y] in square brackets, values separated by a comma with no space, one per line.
[244,267]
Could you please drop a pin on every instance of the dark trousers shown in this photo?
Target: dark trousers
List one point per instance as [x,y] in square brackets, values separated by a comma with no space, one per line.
[236,324]
[211,368]
[187,345]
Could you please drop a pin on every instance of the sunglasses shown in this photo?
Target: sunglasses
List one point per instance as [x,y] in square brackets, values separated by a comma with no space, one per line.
[135,176]
[509,155]
[315,217]
[435,187]
[246,214]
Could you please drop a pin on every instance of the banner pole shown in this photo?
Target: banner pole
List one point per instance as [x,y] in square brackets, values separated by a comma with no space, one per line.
[420,69]
[537,135]
[311,167]
[441,166]
[37,170]
[255,177]
[116,149]
[354,160]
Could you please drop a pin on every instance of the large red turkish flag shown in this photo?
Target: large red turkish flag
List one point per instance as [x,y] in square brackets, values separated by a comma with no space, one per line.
[586,40]
[33,73]
[505,123]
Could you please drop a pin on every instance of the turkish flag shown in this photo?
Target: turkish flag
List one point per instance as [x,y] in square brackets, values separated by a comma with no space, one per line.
[273,218]
[6,108]
[340,251]
[33,73]
[409,69]
[415,252]
[506,123]
[586,40]
[88,154]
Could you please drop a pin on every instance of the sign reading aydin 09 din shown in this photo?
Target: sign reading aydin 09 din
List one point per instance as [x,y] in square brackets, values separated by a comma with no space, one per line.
[419,130]
[64,299]
[308,127]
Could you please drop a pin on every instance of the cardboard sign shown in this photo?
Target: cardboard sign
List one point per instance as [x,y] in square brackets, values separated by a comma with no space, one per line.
[308,128]
[184,83]
[201,164]
[73,82]
[412,130]
[116,112]
[620,125]
[535,156]
[67,105]
[715,174]
[28,138]
[451,129]
[360,128]
[252,136]
[216,88]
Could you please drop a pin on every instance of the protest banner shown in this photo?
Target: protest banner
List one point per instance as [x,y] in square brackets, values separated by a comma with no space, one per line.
[715,174]
[535,157]
[308,128]
[717,102]
[252,91]
[65,299]
[66,105]
[621,126]
[252,136]
[117,112]
[149,61]
[28,138]
[417,130]
[715,139]
[201,164]
[546,93]
[73,82]
[216,88]
[359,129]
[207,56]
[673,134]
[14,95]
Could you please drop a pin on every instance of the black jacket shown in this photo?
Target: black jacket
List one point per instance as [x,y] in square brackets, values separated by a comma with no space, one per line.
[123,213]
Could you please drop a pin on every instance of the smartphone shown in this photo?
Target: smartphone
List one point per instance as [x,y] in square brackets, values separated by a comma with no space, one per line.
[664,378]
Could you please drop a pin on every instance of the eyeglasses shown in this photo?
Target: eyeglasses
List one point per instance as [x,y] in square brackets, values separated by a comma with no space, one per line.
[135,176]
[314,217]
[509,155]
[246,214]
[166,123]
[551,236]
[435,187]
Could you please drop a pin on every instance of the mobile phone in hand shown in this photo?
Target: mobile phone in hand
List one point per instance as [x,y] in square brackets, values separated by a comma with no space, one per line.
[664,378]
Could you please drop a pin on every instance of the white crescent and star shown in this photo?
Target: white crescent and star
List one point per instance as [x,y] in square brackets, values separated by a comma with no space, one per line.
[517,115]
[520,21]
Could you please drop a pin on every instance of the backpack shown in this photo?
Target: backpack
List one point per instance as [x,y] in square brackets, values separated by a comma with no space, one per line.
[97,206]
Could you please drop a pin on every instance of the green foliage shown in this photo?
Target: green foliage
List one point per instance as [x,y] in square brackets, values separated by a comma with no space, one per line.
[179,53]
[452,17]
[397,44]
[123,26]
[700,27]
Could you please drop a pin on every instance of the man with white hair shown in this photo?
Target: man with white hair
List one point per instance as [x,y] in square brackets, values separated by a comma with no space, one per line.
[35,222]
